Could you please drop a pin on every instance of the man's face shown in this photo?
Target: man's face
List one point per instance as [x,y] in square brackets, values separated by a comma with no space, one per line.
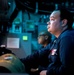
[54,24]
[41,39]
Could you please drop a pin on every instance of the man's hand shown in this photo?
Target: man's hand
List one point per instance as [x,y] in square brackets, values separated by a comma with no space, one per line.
[43,72]
[34,70]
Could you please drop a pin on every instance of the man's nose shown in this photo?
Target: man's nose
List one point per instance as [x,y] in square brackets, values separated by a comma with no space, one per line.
[48,22]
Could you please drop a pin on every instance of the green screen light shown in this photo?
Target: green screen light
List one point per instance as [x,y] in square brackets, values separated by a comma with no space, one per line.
[25,38]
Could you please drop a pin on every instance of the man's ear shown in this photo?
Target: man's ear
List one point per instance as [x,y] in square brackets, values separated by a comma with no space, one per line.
[64,22]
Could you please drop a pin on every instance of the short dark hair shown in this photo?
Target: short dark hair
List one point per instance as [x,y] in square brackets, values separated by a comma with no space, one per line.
[46,33]
[66,14]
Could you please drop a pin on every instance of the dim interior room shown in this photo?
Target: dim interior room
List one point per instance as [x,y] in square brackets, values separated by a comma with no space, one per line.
[22,20]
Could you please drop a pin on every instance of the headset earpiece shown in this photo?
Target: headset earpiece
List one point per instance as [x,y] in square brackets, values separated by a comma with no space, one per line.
[46,37]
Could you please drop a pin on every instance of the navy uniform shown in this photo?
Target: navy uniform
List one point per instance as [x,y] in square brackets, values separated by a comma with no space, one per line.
[62,55]
[38,59]
[57,59]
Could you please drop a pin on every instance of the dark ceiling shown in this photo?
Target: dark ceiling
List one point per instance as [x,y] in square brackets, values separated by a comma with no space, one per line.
[41,6]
